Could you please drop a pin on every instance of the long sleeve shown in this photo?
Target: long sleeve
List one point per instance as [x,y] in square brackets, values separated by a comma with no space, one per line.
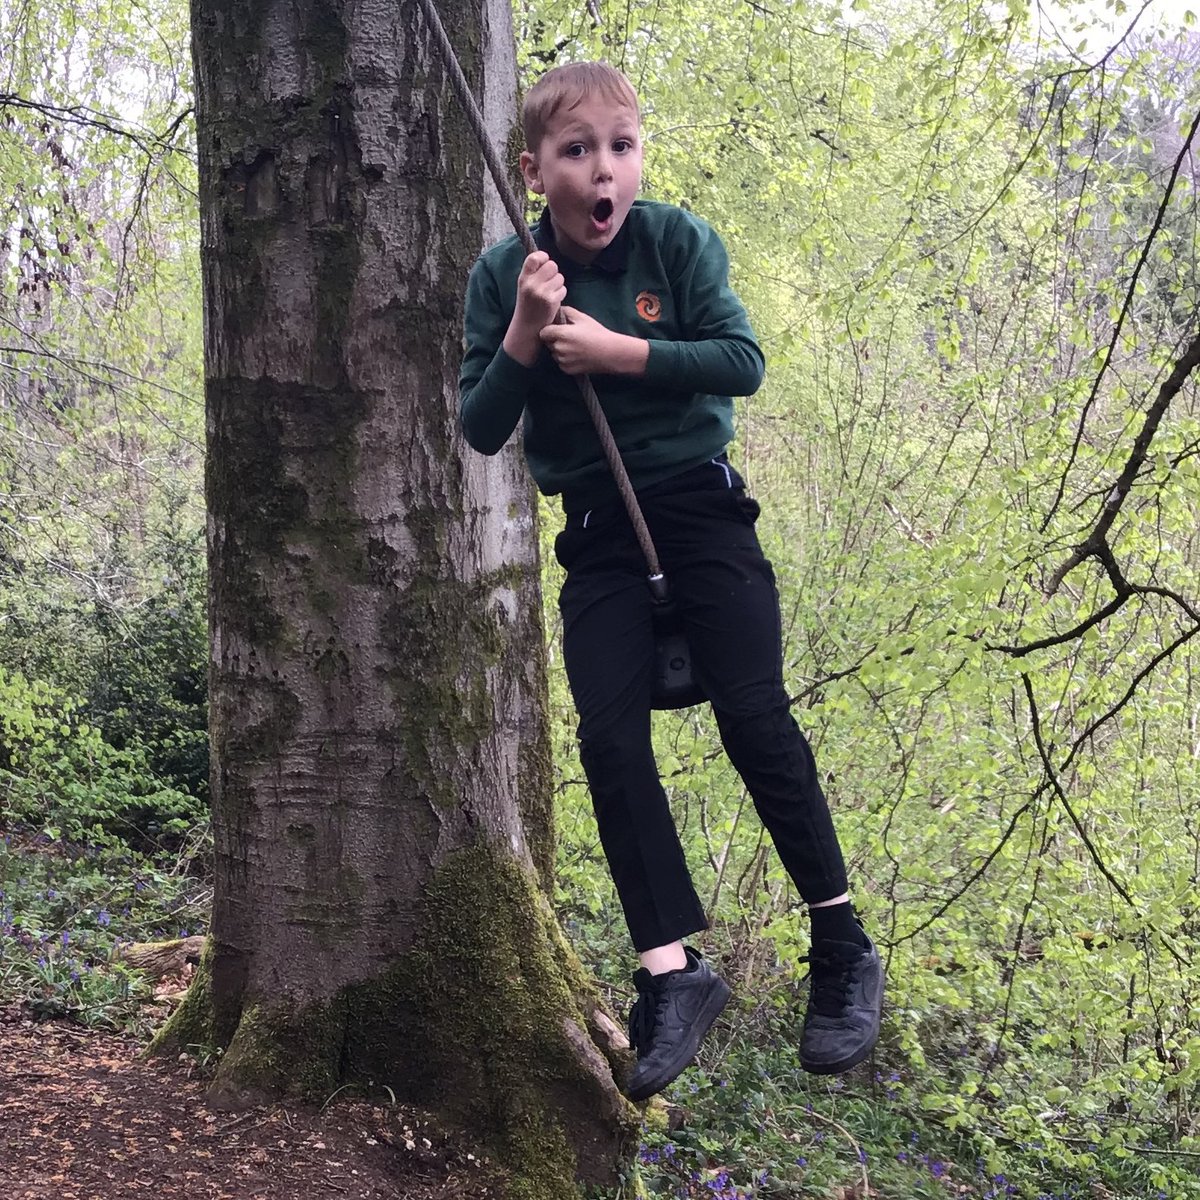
[492,387]
[723,356]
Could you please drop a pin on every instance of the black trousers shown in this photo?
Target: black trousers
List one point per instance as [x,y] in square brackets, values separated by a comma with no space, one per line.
[702,523]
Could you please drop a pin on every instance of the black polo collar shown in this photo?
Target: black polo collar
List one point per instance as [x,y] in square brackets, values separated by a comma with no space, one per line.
[612,260]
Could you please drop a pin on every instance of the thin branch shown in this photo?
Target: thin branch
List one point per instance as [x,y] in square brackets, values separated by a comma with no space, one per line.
[1052,776]
[80,114]
[1094,543]
[74,363]
[1184,152]
[977,874]
[1059,638]
[1163,654]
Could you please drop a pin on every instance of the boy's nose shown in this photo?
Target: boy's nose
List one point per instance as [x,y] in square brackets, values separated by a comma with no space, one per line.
[602,166]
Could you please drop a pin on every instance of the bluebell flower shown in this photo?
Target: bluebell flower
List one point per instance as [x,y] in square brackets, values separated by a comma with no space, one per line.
[102,917]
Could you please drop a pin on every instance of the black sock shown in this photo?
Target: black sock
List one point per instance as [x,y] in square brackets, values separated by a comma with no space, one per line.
[836,923]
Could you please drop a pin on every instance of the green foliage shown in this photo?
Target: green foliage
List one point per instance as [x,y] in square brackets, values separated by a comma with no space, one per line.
[139,662]
[100,418]
[59,774]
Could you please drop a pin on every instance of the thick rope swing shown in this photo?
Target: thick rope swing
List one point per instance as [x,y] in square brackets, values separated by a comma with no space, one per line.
[673,686]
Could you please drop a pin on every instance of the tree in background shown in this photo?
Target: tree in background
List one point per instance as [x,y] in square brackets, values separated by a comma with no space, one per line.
[101,575]
[380,771]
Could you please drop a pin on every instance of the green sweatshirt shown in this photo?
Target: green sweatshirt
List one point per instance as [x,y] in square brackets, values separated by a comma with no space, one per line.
[665,278]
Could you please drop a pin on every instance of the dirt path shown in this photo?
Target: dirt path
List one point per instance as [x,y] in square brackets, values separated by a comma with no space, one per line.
[82,1119]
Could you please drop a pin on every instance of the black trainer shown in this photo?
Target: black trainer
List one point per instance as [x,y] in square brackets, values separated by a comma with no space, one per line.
[844,1004]
[669,1019]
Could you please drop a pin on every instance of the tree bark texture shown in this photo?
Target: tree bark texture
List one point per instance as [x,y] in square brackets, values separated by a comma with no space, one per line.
[380,772]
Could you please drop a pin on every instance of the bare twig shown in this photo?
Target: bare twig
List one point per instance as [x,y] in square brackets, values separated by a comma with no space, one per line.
[1052,776]
[1184,152]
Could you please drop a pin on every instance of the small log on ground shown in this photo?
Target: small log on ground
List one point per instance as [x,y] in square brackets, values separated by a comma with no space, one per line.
[158,959]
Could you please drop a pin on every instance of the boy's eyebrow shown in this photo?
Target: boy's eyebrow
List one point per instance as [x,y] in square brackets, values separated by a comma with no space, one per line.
[584,129]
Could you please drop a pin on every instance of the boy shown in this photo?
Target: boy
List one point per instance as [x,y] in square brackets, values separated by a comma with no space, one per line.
[654,321]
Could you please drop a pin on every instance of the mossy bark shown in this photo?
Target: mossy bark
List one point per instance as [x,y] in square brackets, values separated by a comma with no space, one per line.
[380,773]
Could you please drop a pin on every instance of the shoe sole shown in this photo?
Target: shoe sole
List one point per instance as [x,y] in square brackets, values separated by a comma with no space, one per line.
[687,1051]
[844,1064]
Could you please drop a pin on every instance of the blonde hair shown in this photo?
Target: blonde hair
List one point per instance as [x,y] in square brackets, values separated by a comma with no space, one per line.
[564,87]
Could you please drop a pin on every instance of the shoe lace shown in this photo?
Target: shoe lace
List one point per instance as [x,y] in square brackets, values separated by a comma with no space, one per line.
[644,1017]
[832,983]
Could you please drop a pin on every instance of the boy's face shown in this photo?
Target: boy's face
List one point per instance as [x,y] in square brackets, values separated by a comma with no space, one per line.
[588,165]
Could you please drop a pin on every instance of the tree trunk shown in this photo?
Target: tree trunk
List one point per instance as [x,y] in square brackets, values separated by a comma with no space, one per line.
[380,772]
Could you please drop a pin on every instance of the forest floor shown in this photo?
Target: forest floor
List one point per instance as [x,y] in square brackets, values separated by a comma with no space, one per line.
[83,1117]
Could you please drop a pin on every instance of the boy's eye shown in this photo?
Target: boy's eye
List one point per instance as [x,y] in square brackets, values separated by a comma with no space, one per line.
[622,145]
[576,150]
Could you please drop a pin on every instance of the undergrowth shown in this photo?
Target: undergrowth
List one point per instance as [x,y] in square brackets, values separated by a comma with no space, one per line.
[67,909]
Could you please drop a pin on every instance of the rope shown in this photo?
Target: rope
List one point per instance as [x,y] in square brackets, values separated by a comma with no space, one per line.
[515,214]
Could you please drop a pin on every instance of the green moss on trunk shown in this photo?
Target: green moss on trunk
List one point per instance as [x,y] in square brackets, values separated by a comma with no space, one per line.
[474,1018]
[472,1023]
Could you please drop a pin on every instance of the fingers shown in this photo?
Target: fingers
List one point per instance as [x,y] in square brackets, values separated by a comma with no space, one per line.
[565,348]
[534,262]
[541,274]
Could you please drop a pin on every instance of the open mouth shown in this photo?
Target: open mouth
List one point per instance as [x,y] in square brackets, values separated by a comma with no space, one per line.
[602,211]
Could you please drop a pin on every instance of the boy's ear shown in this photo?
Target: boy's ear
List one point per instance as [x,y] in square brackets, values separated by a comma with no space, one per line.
[532,172]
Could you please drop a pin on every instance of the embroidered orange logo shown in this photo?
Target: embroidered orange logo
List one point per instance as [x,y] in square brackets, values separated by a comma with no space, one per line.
[648,306]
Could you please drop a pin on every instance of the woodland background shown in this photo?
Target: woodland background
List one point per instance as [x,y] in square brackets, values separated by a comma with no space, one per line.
[967,236]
